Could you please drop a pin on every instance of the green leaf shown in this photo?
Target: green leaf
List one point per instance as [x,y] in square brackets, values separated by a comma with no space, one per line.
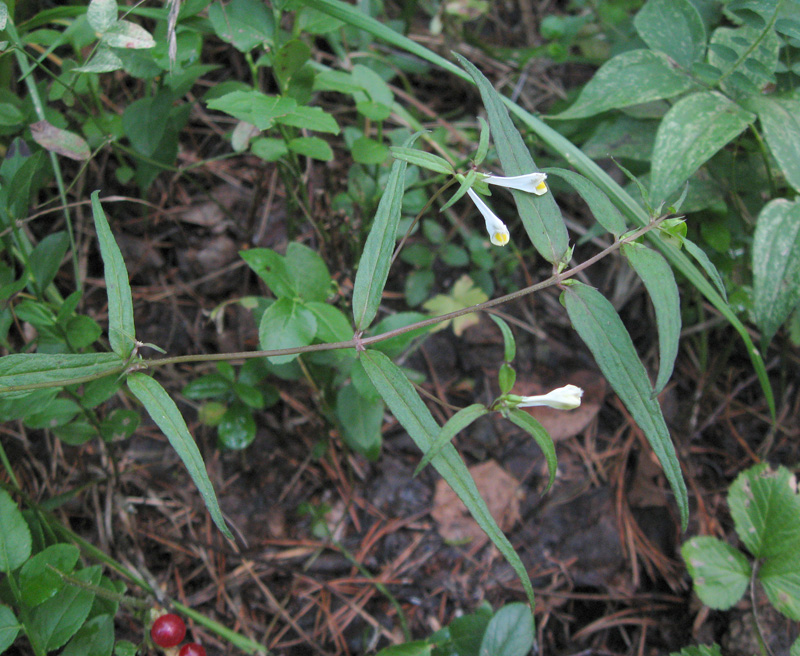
[466,632]
[373,268]
[509,344]
[40,369]
[673,27]
[660,283]
[603,210]
[121,329]
[127,35]
[269,149]
[466,184]
[510,632]
[237,429]
[312,147]
[741,41]
[310,118]
[422,159]
[246,24]
[144,122]
[708,266]
[599,326]
[120,424]
[58,619]
[699,650]
[102,14]
[776,265]
[168,418]
[254,107]
[766,511]
[483,142]
[361,420]
[9,628]
[415,648]
[272,269]
[720,572]
[15,538]
[527,423]
[368,151]
[693,130]
[412,413]
[104,60]
[454,425]
[780,120]
[540,214]
[630,78]
[286,323]
[309,273]
[46,258]
[780,577]
[332,324]
[95,638]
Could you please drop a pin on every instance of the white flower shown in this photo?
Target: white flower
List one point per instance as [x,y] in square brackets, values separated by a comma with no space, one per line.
[533,183]
[563,398]
[498,233]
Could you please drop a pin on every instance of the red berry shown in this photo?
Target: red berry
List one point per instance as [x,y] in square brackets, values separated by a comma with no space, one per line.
[192,649]
[168,630]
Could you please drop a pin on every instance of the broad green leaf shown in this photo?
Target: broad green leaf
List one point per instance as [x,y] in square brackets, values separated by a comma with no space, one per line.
[102,14]
[510,632]
[312,147]
[121,329]
[105,60]
[780,576]
[373,85]
[119,425]
[9,627]
[527,423]
[741,41]
[58,619]
[237,429]
[720,572]
[369,151]
[422,159]
[467,631]
[394,346]
[603,210]
[692,131]
[95,638]
[272,269]
[246,24]
[599,326]
[59,141]
[286,323]
[310,118]
[660,283]
[415,648]
[699,650]
[289,59]
[15,538]
[269,149]
[776,265]
[332,324]
[454,425]
[38,581]
[209,386]
[46,258]
[540,214]
[780,120]
[413,414]
[361,420]
[509,344]
[40,369]
[57,413]
[766,511]
[308,272]
[168,418]
[373,268]
[631,78]
[124,34]
[254,107]
[673,27]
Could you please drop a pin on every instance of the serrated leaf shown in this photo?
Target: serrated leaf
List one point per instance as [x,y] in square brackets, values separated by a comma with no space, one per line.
[540,214]
[776,265]
[168,418]
[673,27]
[527,423]
[422,159]
[603,210]
[373,268]
[15,538]
[660,283]
[720,572]
[692,131]
[61,142]
[630,78]
[454,425]
[599,326]
[121,328]
[780,577]
[411,412]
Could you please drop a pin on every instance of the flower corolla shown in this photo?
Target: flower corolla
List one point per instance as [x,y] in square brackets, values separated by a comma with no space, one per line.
[563,398]
[533,183]
[498,232]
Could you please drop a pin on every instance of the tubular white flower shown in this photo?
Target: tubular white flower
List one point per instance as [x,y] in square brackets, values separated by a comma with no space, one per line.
[533,183]
[563,398]
[498,233]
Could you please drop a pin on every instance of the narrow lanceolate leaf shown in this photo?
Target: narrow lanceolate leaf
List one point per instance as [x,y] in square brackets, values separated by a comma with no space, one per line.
[22,372]
[454,425]
[780,120]
[599,326]
[708,266]
[631,78]
[776,265]
[540,214]
[509,343]
[660,283]
[692,131]
[373,269]
[421,158]
[168,418]
[542,437]
[604,211]
[413,414]
[121,330]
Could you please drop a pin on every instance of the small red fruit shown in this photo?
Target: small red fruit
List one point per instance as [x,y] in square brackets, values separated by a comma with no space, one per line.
[192,649]
[168,630]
